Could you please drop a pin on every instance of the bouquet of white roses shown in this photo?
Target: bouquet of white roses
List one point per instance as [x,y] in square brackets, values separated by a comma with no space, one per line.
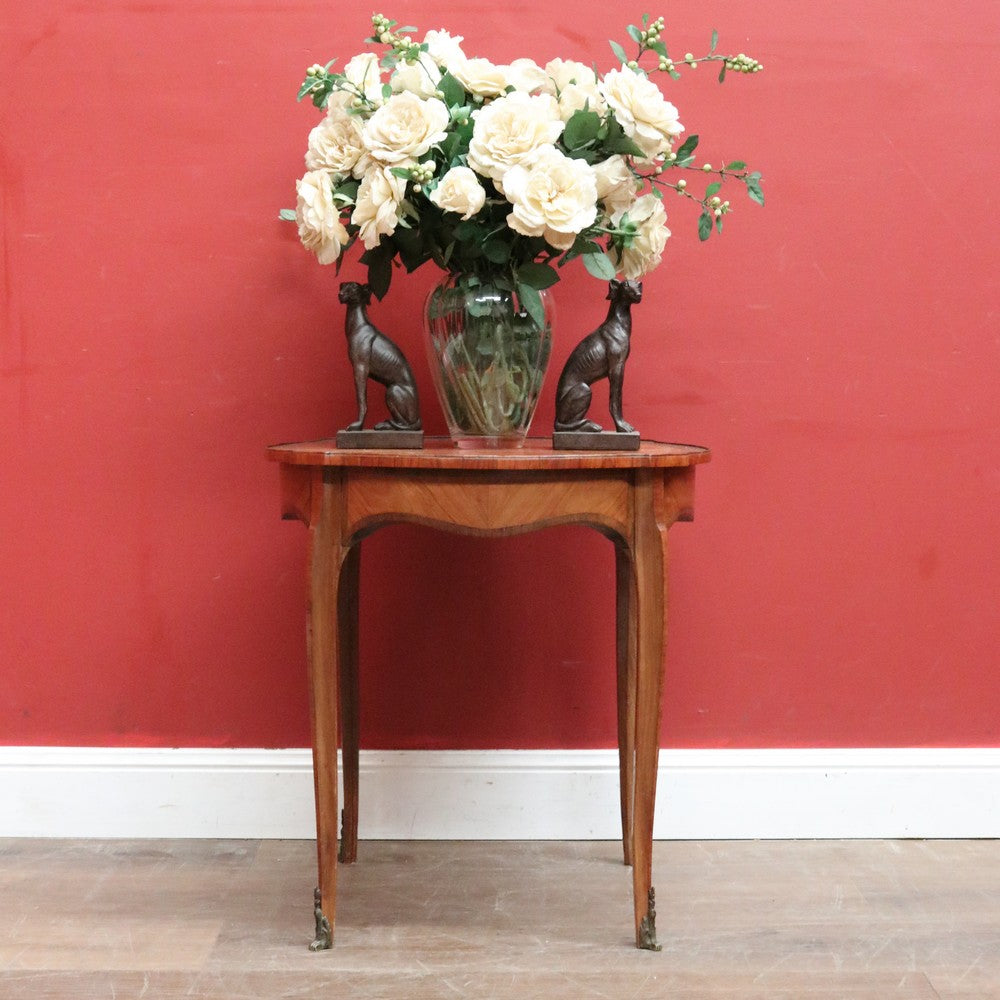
[427,154]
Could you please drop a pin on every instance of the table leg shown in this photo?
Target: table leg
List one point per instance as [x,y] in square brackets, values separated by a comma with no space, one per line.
[347,623]
[326,556]
[649,616]
[625,656]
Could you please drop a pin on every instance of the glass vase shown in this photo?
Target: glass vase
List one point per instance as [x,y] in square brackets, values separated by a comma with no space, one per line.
[488,358]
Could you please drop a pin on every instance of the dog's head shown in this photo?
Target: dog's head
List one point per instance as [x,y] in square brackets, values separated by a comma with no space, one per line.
[627,291]
[352,293]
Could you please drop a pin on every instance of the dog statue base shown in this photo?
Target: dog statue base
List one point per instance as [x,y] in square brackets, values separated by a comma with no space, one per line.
[596,440]
[390,438]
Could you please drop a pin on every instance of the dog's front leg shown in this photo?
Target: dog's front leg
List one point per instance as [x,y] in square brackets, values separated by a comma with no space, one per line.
[361,392]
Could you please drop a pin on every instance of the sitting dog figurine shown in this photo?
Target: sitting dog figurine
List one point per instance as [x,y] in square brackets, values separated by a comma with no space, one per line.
[374,356]
[601,354]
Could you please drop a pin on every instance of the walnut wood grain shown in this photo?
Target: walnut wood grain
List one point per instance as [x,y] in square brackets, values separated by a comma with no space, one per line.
[632,497]
[439,453]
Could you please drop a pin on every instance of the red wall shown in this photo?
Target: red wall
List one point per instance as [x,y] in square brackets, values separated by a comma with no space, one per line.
[838,350]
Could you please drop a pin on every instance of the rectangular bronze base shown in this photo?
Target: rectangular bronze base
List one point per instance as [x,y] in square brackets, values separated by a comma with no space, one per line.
[380,439]
[595,440]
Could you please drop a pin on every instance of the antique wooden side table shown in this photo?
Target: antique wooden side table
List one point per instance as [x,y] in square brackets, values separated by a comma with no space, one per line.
[632,497]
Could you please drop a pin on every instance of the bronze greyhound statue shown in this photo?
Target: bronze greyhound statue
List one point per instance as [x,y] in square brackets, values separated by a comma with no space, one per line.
[601,354]
[374,356]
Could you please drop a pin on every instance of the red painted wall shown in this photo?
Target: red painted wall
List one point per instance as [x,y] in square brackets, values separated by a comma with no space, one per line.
[839,351]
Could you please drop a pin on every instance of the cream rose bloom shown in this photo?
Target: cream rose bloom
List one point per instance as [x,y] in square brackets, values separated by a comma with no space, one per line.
[404,128]
[480,76]
[563,72]
[335,144]
[576,97]
[555,197]
[647,118]
[510,130]
[459,191]
[376,211]
[420,77]
[616,185]
[647,246]
[362,71]
[527,75]
[318,217]
[443,48]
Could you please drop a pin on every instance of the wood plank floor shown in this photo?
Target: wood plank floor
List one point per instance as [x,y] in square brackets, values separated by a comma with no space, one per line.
[231,920]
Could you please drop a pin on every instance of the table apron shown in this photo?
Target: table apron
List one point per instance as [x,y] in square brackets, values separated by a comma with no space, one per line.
[485,503]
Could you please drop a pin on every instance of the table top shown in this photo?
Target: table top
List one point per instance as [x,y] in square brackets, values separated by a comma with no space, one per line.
[441,453]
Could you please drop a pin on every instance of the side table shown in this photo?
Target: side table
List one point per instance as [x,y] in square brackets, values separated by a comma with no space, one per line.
[631,497]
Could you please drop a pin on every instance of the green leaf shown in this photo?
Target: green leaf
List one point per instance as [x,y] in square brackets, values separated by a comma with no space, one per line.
[581,128]
[380,275]
[705,222]
[599,265]
[497,251]
[386,91]
[618,142]
[736,165]
[532,303]
[713,189]
[633,33]
[659,48]
[618,51]
[754,189]
[412,252]
[722,73]
[467,229]
[454,92]
[715,41]
[347,191]
[537,275]
[379,263]
[287,215]
[687,147]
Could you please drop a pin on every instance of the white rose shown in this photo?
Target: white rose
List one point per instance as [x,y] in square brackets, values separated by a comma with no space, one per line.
[554,197]
[480,76]
[575,84]
[443,48]
[320,228]
[526,75]
[616,184]
[647,246]
[511,130]
[420,77]
[363,71]
[647,118]
[459,191]
[577,97]
[404,128]
[563,72]
[376,211]
[335,144]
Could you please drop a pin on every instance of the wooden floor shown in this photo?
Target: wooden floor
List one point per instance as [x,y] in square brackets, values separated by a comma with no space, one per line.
[231,920]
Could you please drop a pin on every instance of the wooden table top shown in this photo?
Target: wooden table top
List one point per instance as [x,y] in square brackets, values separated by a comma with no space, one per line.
[441,453]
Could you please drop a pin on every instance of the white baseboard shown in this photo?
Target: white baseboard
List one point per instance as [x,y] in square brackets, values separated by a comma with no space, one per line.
[502,794]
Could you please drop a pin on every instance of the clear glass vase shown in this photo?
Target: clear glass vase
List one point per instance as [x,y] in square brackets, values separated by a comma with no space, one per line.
[488,358]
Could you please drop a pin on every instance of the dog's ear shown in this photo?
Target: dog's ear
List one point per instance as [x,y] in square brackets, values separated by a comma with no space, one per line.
[365,293]
[613,285]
